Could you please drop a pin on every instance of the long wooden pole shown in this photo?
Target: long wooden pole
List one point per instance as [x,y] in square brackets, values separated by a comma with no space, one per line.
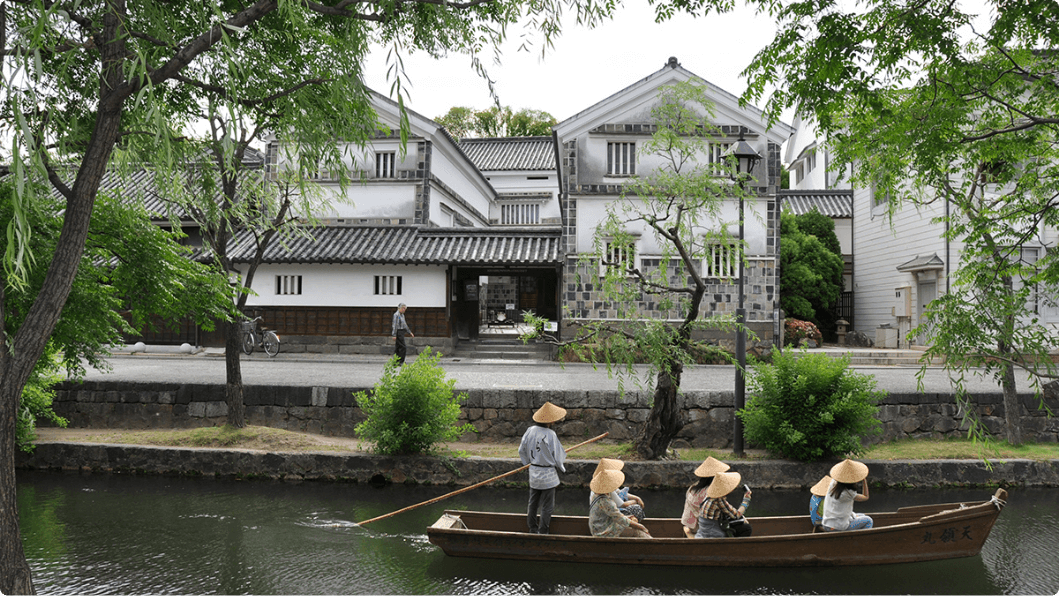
[473,486]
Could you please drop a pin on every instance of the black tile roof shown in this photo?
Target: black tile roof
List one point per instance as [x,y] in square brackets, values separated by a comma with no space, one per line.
[411,245]
[832,203]
[510,153]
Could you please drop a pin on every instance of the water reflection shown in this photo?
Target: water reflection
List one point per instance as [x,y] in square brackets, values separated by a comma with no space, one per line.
[99,534]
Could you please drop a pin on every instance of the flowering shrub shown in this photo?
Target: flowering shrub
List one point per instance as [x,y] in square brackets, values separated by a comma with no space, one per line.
[795,331]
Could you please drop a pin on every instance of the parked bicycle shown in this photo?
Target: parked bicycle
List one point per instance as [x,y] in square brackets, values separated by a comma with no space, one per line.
[255,336]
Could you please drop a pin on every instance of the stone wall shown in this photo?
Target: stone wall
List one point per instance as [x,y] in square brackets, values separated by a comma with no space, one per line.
[319,466]
[498,414]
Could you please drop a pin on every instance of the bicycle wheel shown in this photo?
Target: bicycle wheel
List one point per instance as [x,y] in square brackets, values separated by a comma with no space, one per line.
[271,343]
[248,342]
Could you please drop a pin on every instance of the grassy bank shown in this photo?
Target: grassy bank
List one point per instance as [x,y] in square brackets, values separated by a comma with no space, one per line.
[271,439]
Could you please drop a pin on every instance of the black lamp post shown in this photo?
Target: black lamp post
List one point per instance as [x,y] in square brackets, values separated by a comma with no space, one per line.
[744,160]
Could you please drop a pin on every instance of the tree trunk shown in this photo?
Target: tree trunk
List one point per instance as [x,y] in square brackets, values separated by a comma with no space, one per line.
[233,388]
[15,576]
[663,423]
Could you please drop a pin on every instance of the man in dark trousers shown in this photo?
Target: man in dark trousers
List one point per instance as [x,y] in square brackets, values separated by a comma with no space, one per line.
[540,448]
[400,327]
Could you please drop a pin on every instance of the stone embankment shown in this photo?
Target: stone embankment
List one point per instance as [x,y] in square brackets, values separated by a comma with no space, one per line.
[500,414]
[364,468]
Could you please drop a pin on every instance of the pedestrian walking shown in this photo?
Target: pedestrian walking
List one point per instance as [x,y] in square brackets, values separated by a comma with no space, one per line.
[399,329]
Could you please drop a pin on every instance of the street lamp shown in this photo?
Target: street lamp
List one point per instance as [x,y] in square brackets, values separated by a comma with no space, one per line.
[744,159]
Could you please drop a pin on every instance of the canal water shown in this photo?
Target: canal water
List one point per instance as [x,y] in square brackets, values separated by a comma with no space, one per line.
[105,534]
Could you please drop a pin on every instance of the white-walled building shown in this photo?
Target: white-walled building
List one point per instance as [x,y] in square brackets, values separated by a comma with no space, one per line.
[598,150]
[466,231]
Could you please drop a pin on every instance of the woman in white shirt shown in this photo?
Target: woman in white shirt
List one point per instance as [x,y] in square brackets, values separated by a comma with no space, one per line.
[842,493]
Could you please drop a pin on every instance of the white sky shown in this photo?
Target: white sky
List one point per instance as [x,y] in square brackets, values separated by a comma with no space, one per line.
[586,65]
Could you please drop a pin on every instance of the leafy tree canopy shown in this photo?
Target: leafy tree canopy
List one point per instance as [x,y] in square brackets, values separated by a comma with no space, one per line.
[810,273]
[929,109]
[463,122]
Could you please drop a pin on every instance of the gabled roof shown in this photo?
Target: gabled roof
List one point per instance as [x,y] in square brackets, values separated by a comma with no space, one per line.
[836,204]
[931,263]
[510,153]
[645,90]
[411,245]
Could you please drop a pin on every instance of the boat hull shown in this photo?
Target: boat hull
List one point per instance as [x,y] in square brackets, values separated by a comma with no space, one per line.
[910,534]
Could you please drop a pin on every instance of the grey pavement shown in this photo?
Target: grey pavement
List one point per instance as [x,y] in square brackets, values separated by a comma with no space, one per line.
[168,365]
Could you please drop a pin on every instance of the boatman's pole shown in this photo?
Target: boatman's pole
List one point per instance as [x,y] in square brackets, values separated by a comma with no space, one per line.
[473,486]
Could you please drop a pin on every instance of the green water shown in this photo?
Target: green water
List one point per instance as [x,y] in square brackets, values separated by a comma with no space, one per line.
[103,534]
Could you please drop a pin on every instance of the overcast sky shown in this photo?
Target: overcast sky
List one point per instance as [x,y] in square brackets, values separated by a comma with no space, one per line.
[587,65]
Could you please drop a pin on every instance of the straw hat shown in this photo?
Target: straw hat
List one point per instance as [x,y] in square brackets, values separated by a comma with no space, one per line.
[722,484]
[849,471]
[710,467]
[820,488]
[549,413]
[606,482]
[608,464]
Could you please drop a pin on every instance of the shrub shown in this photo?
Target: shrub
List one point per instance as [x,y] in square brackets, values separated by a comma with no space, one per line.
[35,402]
[794,331]
[412,408]
[810,406]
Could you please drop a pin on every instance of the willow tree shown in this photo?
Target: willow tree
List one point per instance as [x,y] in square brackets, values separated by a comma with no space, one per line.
[932,110]
[680,204]
[92,84]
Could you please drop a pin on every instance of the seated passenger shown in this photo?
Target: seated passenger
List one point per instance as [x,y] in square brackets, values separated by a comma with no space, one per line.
[604,519]
[696,494]
[718,518]
[842,493]
[816,502]
[627,503]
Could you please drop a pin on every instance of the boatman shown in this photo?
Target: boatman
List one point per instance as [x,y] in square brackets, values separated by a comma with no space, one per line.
[540,448]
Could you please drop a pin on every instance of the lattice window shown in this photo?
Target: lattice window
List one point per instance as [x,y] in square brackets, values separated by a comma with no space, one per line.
[520,214]
[387,285]
[715,151]
[722,261]
[385,164]
[621,159]
[618,257]
[288,284]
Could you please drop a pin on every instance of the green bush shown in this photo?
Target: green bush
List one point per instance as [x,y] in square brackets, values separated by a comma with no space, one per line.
[810,406]
[412,408]
[35,402]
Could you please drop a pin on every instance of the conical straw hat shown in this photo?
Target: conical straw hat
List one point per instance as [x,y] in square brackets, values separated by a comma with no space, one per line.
[549,413]
[710,467]
[820,488]
[606,482]
[722,484]
[849,471]
[608,464]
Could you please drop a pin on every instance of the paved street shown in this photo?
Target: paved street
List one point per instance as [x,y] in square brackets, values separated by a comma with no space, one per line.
[365,370]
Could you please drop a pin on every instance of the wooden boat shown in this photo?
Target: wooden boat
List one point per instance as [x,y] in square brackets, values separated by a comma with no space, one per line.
[920,533]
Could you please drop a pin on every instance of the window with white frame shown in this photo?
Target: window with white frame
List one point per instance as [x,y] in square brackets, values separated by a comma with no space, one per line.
[721,261]
[617,256]
[288,284]
[715,151]
[385,164]
[520,214]
[621,159]
[387,285]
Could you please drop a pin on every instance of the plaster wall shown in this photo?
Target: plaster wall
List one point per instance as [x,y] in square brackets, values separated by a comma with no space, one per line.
[351,285]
